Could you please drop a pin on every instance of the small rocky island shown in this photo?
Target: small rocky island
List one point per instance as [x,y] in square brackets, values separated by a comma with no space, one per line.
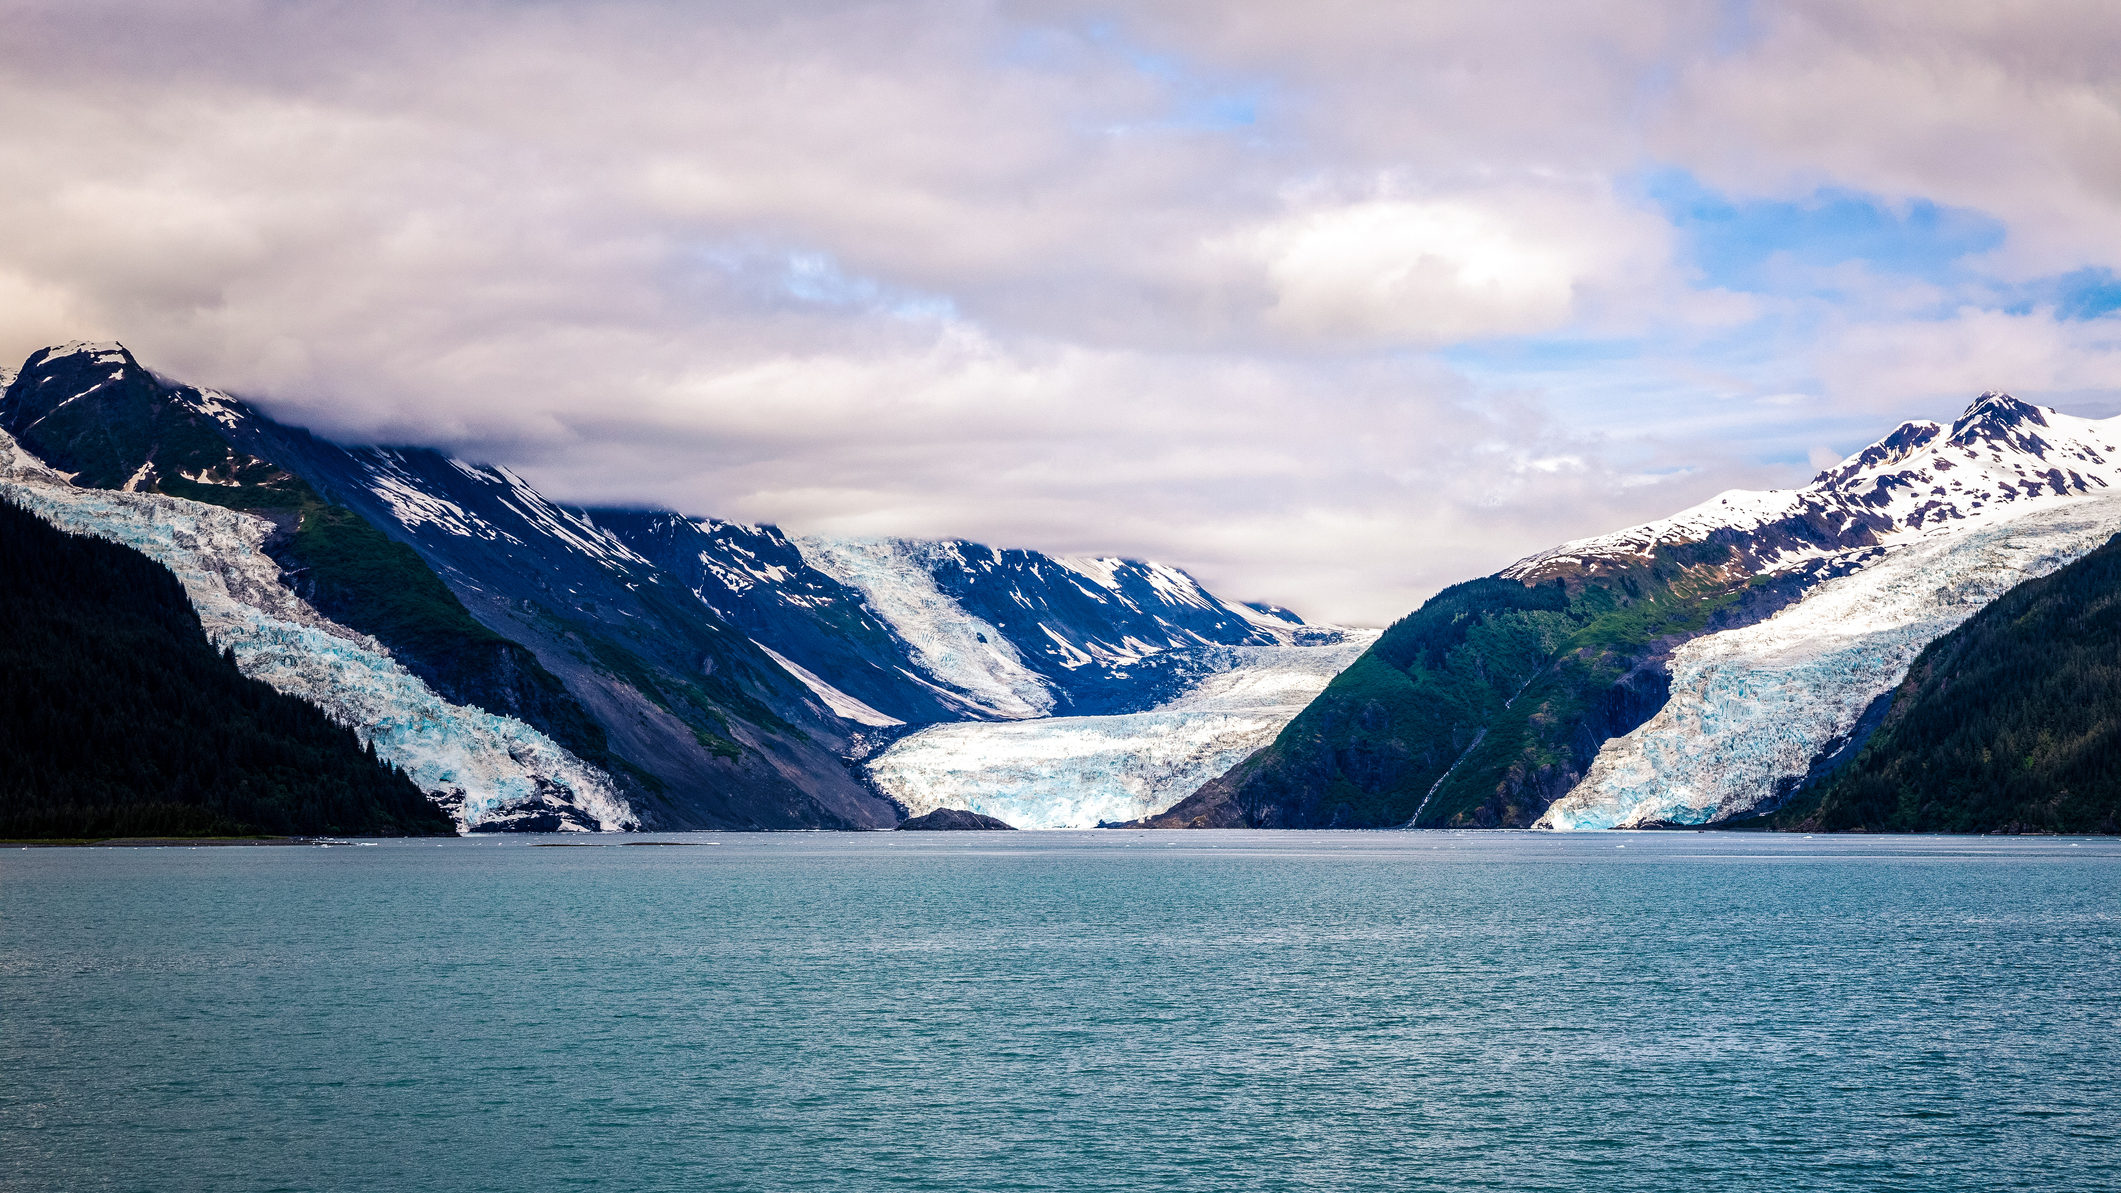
[954,820]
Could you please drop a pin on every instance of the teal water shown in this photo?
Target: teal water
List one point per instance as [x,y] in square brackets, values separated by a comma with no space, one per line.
[1110,1011]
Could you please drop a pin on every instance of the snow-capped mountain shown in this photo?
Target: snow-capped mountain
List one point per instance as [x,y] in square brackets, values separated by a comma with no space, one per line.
[517,605]
[1941,522]
[1018,634]
[1924,478]
[708,673]
[756,580]
[1752,710]
[917,632]
[1055,692]
[725,736]
[1697,668]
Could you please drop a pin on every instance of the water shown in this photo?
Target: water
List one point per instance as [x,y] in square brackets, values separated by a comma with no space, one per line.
[1107,1011]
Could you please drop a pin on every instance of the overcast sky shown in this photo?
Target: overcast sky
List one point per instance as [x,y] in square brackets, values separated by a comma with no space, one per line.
[1331,303]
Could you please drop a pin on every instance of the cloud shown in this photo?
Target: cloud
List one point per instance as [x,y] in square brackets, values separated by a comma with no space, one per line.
[1895,364]
[1440,270]
[2005,109]
[1336,303]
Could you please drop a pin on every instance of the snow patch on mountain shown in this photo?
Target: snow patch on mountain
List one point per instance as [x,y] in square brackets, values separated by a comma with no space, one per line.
[1074,772]
[976,662]
[1752,708]
[573,529]
[1173,586]
[485,770]
[1998,457]
[414,504]
[842,705]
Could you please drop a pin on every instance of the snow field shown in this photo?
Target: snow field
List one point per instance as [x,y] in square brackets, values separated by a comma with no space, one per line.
[975,661]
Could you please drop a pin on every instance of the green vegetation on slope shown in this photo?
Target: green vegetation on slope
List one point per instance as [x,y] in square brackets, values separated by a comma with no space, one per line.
[1486,704]
[352,572]
[118,717]
[362,578]
[127,428]
[2010,723]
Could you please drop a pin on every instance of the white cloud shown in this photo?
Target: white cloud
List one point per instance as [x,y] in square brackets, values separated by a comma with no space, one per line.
[2005,108]
[1441,270]
[1899,364]
[1023,271]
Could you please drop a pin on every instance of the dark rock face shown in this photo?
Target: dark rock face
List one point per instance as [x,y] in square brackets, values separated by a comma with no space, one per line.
[954,820]
[758,581]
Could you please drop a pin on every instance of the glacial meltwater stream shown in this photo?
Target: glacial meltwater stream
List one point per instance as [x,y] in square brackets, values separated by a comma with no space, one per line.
[1065,1011]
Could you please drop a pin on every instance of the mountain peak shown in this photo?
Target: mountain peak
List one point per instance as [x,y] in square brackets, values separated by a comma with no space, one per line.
[99,351]
[1994,415]
[1920,479]
[1906,439]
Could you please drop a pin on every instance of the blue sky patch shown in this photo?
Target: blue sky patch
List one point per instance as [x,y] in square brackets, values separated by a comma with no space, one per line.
[1745,244]
[2085,294]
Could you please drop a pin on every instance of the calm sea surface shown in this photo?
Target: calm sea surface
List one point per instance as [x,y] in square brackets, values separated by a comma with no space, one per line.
[1111,1011]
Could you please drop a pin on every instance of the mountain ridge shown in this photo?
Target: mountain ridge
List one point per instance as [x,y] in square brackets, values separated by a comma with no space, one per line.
[1492,704]
[712,673]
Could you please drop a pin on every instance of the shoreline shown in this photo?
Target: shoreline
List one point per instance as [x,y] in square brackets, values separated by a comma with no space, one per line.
[149,842]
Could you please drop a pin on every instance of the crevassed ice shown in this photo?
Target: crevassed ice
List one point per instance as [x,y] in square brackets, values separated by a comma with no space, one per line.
[1753,706]
[479,766]
[971,658]
[1072,772]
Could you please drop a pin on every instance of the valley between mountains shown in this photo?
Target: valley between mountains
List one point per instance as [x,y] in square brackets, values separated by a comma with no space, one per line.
[1788,659]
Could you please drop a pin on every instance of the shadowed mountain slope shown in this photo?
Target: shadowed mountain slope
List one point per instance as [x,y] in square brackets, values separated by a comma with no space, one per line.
[119,718]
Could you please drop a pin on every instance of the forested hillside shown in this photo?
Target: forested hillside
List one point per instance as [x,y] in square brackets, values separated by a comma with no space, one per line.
[119,718]
[1488,702]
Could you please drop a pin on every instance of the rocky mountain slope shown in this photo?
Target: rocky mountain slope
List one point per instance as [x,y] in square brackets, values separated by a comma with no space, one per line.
[1691,669]
[591,669]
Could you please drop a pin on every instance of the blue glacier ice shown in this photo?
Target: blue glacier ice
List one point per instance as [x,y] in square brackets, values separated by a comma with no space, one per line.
[482,768]
[1752,708]
[1073,772]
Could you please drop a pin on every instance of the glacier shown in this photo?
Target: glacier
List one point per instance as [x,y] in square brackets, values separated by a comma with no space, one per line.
[1751,708]
[979,669]
[1078,771]
[485,770]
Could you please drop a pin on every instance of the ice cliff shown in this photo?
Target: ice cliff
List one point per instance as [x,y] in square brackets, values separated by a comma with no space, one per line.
[1073,772]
